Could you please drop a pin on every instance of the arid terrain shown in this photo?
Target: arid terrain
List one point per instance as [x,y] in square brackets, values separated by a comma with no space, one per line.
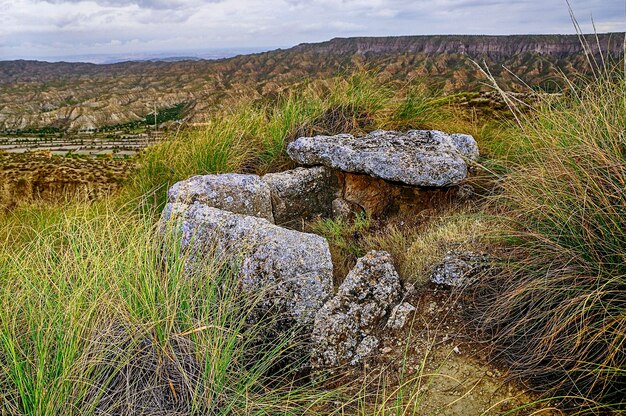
[364,226]
[51,97]
[40,177]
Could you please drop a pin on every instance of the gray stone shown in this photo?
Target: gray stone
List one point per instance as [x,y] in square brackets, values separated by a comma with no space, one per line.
[399,315]
[293,268]
[237,193]
[427,158]
[344,210]
[302,194]
[459,268]
[367,348]
[466,145]
[343,332]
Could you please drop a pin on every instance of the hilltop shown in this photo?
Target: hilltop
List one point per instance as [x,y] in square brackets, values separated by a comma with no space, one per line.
[79,96]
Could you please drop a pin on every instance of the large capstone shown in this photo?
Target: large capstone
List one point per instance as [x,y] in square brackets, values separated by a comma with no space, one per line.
[344,331]
[237,193]
[427,158]
[292,269]
[302,194]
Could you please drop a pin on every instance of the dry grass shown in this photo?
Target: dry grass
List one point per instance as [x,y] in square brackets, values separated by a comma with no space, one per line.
[415,249]
[557,312]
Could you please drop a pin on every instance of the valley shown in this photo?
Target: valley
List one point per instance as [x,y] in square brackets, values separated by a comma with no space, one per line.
[57,97]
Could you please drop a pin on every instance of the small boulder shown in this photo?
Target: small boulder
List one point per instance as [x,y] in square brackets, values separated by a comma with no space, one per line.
[399,315]
[294,268]
[302,194]
[237,193]
[344,328]
[466,146]
[427,158]
[459,268]
[345,210]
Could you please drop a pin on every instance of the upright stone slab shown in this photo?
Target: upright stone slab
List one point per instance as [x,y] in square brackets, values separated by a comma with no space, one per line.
[344,329]
[426,158]
[294,268]
[237,193]
[302,194]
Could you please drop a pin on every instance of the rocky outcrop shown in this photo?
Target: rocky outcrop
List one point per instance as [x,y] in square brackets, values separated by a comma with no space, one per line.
[292,269]
[426,158]
[230,215]
[302,194]
[239,194]
[459,268]
[388,172]
[344,331]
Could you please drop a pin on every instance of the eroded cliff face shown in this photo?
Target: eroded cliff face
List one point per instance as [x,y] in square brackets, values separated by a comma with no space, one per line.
[41,177]
[494,47]
[75,96]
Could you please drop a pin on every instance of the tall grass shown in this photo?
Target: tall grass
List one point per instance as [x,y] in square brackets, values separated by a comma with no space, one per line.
[94,320]
[558,312]
[252,135]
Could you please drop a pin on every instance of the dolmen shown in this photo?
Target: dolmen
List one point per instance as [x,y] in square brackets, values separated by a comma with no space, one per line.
[259,221]
[388,172]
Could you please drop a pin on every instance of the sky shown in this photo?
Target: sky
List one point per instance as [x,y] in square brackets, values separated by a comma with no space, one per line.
[56,29]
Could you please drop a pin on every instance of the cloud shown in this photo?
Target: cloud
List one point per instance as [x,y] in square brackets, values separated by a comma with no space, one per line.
[40,28]
[143,4]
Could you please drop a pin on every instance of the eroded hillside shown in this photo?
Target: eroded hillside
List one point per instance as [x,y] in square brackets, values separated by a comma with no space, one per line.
[75,96]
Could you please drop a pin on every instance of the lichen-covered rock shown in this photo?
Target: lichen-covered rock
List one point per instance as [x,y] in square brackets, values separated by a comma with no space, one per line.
[466,145]
[344,328]
[293,268]
[399,315]
[428,158]
[459,268]
[237,193]
[302,194]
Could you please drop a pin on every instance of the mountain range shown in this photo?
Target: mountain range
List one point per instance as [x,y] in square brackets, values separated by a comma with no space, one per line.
[80,96]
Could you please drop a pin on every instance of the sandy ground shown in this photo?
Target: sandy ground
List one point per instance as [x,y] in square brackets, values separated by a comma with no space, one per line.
[442,370]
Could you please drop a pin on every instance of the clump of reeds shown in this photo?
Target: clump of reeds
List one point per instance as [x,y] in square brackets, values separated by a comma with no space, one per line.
[557,311]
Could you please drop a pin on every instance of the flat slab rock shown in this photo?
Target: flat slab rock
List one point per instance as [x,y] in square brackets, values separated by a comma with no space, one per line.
[428,158]
[293,268]
[237,193]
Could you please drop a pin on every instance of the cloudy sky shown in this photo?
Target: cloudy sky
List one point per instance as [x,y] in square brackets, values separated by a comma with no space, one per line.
[64,28]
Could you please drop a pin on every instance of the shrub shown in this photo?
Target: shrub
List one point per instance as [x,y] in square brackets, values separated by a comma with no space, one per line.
[557,313]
